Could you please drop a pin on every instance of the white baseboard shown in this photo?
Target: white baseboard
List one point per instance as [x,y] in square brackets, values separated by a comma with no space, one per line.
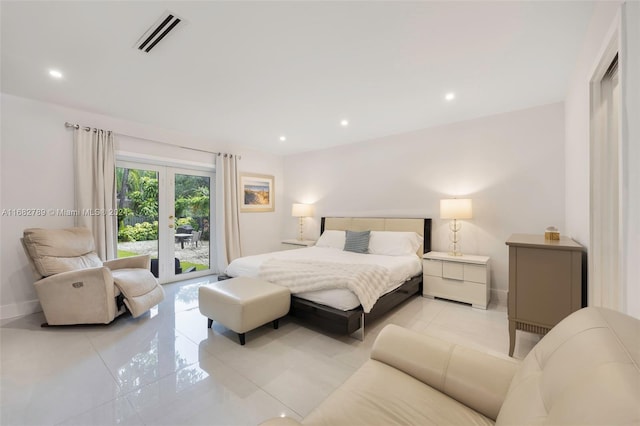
[19,309]
[499,296]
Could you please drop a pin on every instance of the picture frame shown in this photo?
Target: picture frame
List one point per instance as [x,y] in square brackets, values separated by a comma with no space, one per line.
[257,193]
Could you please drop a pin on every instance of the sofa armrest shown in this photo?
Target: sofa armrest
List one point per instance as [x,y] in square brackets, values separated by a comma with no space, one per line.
[84,296]
[142,261]
[476,379]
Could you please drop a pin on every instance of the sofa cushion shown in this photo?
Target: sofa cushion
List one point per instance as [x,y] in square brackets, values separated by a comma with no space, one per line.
[378,394]
[60,250]
[476,379]
[584,371]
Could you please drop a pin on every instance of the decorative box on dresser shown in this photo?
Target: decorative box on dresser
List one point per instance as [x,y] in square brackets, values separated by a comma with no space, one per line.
[545,283]
[296,244]
[461,278]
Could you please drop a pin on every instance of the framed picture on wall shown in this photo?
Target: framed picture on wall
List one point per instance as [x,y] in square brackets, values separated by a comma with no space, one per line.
[256,193]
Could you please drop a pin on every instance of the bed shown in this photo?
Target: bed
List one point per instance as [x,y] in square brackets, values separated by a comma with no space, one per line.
[340,310]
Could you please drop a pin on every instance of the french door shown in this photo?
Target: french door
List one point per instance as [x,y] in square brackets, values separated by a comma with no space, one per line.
[166,213]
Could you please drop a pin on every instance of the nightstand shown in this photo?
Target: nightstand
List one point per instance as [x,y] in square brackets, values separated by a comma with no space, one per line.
[461,278]
[296,244]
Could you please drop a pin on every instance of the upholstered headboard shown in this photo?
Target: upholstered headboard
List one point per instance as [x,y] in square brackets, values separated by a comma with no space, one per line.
[420,226]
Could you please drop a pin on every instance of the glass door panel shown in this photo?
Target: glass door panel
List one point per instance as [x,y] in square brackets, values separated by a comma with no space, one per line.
[165,212]
[191,207]
[138,212]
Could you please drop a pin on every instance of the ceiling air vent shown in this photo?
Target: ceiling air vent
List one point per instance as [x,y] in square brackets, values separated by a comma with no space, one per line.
[157,32]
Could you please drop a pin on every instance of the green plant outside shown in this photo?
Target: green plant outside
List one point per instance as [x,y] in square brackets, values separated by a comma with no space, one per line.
[185,265]
[144,231]
[140,187]
[188,221]
[199,266]
[125,253]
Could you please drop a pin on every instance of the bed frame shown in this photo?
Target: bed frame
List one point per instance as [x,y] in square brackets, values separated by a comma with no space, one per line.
[347,322]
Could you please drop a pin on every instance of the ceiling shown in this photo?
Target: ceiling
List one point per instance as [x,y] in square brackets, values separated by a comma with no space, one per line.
[246,73]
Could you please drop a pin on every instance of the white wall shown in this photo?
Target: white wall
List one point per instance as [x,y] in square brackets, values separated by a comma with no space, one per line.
[37,172]
[608,19]
[511,165]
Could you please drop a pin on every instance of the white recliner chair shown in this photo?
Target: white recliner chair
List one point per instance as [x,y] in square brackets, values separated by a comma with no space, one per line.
[75,286]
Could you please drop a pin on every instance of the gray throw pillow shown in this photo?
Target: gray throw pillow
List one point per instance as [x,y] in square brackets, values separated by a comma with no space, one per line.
[357,241]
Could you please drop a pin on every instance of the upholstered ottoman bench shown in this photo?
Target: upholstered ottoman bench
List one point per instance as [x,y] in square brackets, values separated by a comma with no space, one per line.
[242,304]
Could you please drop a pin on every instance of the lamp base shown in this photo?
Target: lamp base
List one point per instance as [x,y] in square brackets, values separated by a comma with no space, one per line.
[300,235]
[454,226]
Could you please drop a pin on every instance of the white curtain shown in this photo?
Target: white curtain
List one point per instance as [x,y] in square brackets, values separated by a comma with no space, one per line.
[227,213]
[95,187]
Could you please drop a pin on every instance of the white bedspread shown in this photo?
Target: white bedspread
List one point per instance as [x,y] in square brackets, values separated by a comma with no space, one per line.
[367,282]
[400,268]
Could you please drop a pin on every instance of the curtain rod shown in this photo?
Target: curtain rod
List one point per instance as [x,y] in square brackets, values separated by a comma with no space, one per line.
[86,129]
[77,126]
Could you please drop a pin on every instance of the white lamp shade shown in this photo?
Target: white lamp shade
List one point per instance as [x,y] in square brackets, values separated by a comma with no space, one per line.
[457,208]
[302,210]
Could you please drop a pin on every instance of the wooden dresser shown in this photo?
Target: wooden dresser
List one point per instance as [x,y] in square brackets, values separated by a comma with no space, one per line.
[545,283]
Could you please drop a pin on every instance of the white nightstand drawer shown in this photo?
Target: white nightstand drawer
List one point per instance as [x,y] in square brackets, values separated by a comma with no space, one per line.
[463,291]
[432,267]
[475,273]
[462,278]
[453,271]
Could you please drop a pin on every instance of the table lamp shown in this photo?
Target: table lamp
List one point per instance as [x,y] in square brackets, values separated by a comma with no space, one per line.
[456,208]
[301,211]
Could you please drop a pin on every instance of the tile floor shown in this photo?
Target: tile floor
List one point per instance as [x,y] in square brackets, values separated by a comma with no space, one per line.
[167,368]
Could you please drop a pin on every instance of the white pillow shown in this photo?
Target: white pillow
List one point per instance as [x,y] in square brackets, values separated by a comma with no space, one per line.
[392,243]
[332,239]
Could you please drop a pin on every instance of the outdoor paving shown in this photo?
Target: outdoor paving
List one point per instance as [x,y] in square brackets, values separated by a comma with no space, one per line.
[190,253]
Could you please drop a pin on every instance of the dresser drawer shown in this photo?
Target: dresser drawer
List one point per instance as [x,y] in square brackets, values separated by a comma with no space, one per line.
[461,278]
[462,291]
[453,270]
[432,267]
[475,273]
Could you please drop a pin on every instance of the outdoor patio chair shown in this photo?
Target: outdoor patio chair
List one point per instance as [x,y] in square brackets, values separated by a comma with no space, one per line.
[75,286]
[177,267]
[195,238]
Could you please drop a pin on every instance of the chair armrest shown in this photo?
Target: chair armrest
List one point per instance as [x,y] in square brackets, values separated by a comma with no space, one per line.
[98,276]
[142,261]
[476,379]
[84,296]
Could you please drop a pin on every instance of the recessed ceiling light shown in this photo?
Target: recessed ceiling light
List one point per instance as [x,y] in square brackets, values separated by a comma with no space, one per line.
[55,74]
[344,123]
[450,96]
[283,138]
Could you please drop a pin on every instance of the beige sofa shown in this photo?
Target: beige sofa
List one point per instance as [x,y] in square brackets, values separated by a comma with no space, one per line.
[583,372]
